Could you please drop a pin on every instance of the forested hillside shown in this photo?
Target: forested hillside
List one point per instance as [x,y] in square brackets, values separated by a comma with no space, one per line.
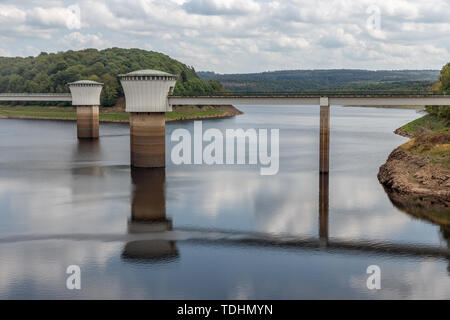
[339,80]
[50,73]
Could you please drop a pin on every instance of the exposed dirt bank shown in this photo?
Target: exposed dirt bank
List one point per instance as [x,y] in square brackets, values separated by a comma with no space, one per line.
[413,181]
[416,175]
[404,133]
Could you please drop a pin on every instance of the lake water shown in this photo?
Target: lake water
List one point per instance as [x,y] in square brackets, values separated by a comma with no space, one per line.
[212,232]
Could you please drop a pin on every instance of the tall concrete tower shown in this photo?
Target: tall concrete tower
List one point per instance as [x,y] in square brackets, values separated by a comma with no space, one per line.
[146,100]
[86,97]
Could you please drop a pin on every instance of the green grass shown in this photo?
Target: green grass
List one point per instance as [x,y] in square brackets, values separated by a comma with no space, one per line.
[64,115]
[105,114]
[175,115]
[115,116]
[431,139]
[38,112]
[425,124]
[434,145]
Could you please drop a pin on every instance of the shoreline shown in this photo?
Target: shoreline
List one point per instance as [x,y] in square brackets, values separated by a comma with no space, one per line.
[414,182]
[180,114]
[413,176]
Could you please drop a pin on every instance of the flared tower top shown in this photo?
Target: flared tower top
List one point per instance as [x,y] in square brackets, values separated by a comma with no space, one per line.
[85,92]
[148,74]
[147,90]
[83,83]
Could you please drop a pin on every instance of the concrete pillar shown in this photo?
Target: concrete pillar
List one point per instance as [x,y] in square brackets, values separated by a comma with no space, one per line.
[323,208]
[324,158]
[86,98]
[87,122]
[146,99]
[148,140]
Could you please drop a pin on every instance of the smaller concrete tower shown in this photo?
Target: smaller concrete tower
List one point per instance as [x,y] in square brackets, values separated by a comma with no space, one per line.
[146,93]
[86,97]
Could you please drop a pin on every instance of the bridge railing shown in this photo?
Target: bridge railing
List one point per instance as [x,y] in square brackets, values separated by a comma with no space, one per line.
[36,97]
[314,99]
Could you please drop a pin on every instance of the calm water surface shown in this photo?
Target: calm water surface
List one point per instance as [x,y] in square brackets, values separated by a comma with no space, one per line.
[212,232]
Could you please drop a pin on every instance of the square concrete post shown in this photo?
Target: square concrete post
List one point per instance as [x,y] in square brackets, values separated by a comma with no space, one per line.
[324,157]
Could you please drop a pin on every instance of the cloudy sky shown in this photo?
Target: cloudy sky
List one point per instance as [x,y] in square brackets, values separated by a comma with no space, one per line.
[237,36]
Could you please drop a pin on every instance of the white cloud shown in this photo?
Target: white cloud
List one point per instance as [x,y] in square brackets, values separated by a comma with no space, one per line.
[69,17]
[337,38]
[221,7]
[5,53]
[81,41]
[241,36]
[10,15]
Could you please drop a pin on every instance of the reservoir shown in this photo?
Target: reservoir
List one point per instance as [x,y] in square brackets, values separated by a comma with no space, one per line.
[213,231]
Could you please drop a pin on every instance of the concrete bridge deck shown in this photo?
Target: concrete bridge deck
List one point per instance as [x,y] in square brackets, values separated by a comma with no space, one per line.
[149,119]
[308,99]
[287,99]
[36,97]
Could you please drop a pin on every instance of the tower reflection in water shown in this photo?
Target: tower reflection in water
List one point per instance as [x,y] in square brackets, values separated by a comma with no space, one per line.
[148,215]
[323,208]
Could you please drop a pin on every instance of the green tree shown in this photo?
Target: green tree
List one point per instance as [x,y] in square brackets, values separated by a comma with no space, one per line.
[50,72]
[445,79]
[442,87]
[109,96]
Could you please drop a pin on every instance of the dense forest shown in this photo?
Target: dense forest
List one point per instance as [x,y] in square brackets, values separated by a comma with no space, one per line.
[339,80]
[50,72]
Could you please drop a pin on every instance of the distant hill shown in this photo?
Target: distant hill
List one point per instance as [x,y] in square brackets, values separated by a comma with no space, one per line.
[338,80]
[50,73]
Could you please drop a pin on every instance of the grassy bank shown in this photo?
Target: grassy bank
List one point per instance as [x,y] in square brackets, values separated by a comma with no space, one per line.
[427,124]
[434,146]
[416,175]
[115,114]
[430,139]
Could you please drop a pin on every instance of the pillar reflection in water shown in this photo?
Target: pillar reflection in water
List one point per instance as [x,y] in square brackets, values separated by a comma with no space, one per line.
[148,215]
[87,172]
[323,207]
[87,151]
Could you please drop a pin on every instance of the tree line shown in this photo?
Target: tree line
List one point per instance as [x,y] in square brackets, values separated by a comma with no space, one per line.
[51,72]
[337,80]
